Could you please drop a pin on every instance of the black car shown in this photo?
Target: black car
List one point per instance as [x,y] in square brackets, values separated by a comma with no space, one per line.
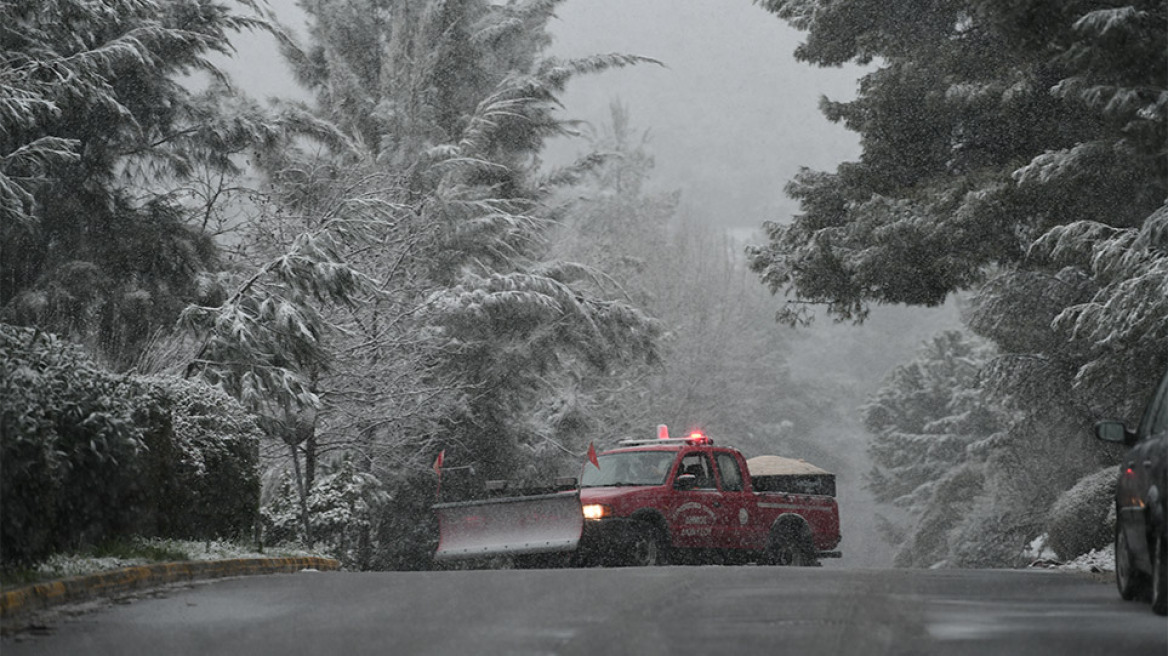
[1141,503]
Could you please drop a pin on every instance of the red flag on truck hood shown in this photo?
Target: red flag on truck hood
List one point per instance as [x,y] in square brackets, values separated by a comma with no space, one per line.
[592,455]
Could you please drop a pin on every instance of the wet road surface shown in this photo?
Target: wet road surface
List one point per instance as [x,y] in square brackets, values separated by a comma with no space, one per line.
[667,610]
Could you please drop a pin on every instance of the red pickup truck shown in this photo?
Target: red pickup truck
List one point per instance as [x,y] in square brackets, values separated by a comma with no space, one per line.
[657,501]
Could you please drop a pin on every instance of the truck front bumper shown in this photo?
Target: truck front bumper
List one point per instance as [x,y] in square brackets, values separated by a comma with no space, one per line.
[606,541]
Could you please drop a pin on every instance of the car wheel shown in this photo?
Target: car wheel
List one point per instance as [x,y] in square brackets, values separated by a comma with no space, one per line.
[1160,577]
[648,548]
[1132,583]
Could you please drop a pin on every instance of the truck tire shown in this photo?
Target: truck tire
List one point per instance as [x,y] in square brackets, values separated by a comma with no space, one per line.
[1160,577]
[790,544]
[1132,583]
[649,547]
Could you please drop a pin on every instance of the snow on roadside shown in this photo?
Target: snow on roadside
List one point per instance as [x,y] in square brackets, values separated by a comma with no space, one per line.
[67,565]
[1097,560]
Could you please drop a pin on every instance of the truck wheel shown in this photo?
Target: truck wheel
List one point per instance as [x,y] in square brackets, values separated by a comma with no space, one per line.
[648,548]
[1132,583]
[790,546]
[1160,577]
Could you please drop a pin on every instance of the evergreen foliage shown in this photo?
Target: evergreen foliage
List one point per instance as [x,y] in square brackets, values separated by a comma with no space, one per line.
[93,114]
[1083,518]
[927,421]
[87,456]
[721,365]
[204,453]
[344,504]
[392,294]
[1017,150]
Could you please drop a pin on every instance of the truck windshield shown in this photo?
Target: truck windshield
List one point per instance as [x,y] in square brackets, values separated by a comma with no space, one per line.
[629,468]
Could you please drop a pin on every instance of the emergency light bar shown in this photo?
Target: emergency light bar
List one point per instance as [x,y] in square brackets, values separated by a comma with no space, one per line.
[703,440]
[694,438]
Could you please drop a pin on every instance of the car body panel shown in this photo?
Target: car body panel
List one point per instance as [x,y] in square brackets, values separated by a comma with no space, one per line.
[1141,494]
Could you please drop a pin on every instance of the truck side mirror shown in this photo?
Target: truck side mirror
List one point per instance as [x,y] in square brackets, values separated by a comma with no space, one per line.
[1110,430]
[686,482]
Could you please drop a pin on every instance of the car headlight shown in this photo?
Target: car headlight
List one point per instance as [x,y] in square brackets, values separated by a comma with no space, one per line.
[597,511]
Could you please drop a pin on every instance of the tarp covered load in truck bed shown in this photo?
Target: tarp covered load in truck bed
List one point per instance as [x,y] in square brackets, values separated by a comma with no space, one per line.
[790,475]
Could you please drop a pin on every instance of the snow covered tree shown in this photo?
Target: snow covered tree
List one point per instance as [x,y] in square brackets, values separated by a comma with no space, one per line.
[454,100]
[93,111]
[344,503]
[391,294]
[924,421]
[1013,149]
[968,153]
[721,365]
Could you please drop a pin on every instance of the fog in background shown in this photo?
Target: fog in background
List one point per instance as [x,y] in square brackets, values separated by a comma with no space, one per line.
[732,117]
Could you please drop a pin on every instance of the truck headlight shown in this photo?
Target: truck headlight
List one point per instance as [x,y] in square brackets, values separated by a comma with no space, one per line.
[597,511]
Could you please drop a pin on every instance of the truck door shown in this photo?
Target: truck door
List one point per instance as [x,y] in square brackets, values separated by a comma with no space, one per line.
[739,527]
[698,515]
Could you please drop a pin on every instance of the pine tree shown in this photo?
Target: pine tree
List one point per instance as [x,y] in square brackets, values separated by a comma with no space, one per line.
[926,421]
[1017,150]
[457,103]
[93,114]
[968,154]
[393,296]
[722,365]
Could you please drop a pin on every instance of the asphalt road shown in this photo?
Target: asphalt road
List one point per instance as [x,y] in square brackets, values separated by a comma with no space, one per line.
[668,610]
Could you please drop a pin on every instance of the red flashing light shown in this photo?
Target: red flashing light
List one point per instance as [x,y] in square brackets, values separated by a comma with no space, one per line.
[696,437]
[1130,472]
[662,432]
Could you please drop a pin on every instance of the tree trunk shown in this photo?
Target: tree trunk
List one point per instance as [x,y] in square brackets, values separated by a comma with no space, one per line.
[303,497]
[310,457]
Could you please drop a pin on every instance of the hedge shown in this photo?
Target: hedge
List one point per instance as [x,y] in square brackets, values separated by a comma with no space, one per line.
[88,456]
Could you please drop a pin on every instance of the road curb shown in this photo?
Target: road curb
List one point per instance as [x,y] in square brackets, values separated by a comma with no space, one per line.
[79,588]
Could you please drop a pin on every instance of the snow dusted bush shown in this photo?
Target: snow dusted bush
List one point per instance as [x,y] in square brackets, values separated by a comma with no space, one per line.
[88,456]
[994,535]
[406,538]
[1082,518]
[208,452]
[69,448]
[342,504]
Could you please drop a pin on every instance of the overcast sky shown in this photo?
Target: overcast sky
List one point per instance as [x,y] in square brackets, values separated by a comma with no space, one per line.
[732,115]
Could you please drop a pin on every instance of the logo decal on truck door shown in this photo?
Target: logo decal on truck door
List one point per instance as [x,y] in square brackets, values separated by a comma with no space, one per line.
[743,516]
[694,519]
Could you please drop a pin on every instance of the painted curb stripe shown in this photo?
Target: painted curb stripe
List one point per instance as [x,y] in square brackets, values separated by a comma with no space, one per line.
[51,593]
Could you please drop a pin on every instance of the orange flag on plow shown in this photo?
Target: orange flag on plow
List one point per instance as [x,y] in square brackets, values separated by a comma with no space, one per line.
[438,462]
[592,455]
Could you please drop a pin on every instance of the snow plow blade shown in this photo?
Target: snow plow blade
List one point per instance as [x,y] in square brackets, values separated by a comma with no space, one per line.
[543,523]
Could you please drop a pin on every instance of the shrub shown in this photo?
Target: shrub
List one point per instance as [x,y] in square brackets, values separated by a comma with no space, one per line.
[87,456]
[407,537]
[206,450]
[1080,520]
[342,506]
[69,448]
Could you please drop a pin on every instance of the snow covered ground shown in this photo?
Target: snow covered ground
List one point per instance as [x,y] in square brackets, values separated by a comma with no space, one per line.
[1096,560]
[65,565]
